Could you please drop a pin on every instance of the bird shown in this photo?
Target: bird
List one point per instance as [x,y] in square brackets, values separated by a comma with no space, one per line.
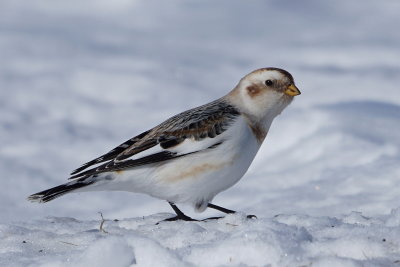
[194,155]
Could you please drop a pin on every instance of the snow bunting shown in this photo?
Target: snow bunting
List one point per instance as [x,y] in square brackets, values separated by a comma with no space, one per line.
[194,155]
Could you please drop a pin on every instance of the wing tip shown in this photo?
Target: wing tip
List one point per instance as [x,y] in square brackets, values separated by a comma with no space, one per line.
[38,198]
[81,168]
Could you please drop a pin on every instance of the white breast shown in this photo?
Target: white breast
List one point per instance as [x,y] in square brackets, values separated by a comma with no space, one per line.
[195,178]
[199,177]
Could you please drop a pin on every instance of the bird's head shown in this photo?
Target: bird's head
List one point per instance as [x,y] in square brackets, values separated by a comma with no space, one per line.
[264,93]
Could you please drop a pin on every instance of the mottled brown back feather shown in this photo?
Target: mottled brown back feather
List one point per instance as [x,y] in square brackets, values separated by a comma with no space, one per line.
[206,121]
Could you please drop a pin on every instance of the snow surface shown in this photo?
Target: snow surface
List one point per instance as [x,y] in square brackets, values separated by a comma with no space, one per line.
[79,77]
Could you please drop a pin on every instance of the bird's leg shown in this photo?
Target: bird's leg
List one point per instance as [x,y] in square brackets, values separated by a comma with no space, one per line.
[224,210]
[227,211]
[179,214]
[212,206]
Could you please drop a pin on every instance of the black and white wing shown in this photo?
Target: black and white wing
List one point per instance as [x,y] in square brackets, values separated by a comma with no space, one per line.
[198,124]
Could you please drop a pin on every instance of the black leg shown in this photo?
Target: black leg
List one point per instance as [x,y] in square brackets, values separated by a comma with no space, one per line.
[179,215]
[220,208]
[228,211]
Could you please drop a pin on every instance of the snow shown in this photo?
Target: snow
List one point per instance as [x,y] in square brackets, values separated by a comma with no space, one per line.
[78,78]
[284,240]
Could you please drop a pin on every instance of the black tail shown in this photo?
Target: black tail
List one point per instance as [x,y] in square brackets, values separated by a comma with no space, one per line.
[60,190]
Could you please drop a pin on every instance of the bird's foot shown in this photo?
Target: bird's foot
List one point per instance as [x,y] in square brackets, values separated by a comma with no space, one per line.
[179,217]
[227,211]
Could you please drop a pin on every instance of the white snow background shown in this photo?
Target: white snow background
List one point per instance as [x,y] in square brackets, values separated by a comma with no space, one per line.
[79,77]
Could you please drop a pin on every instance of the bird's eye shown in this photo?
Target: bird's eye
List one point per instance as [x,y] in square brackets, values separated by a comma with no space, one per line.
[268,82]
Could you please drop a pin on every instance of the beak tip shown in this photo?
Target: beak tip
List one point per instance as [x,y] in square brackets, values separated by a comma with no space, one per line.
[292,90]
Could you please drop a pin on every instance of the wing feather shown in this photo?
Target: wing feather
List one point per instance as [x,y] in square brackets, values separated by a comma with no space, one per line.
[121,165]
[112,153]
[207,121]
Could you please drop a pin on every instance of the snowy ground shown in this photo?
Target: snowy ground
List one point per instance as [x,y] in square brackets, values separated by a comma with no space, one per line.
[78,77]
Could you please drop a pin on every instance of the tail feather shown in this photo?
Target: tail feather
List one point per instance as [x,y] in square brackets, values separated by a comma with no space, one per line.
[58,191]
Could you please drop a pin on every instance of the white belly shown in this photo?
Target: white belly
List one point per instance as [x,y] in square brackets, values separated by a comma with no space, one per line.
[195,178]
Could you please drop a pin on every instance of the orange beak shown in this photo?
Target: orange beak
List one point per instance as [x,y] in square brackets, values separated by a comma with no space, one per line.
[292,90]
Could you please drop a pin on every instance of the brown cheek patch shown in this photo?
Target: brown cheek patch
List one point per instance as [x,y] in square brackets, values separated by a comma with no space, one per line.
[253,90]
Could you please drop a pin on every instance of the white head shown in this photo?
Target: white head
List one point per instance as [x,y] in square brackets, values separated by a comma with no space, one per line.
[264,93]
